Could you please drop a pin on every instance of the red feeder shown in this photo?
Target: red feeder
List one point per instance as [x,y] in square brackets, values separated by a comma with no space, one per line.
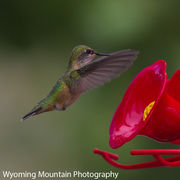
[150,107]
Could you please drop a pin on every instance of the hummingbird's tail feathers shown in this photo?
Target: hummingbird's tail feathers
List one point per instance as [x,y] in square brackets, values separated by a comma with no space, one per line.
[32,113]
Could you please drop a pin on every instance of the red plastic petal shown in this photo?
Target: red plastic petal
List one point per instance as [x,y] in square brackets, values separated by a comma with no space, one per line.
[147,87]
[164,123]
[173,85]
[176,142]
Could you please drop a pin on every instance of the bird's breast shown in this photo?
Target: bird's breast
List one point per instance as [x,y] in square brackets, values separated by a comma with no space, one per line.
[65,99]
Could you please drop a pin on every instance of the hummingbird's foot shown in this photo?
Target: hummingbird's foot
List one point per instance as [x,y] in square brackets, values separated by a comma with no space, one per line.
[63,108]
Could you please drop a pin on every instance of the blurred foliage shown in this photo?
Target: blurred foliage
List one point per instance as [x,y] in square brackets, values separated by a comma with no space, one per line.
[36,38]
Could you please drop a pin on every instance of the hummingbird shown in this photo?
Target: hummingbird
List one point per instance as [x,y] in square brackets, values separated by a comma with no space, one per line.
[84,72]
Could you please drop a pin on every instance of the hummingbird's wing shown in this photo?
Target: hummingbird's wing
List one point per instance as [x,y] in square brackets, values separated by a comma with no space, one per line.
[103,70]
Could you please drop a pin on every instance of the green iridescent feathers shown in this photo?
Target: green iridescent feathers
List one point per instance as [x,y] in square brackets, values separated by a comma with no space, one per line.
[48,101]
[76,52]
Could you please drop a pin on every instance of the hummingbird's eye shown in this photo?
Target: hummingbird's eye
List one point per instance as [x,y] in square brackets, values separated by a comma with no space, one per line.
[88,51]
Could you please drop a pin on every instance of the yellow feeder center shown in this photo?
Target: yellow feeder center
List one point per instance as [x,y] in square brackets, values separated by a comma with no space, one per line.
[147,110]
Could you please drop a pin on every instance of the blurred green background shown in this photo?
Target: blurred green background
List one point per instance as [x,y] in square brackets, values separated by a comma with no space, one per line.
[36,38]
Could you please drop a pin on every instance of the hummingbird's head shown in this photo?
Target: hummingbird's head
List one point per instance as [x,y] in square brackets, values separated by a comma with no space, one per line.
[82,55]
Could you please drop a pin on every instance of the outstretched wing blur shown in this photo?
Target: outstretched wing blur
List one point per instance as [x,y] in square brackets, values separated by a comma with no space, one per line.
[103,70]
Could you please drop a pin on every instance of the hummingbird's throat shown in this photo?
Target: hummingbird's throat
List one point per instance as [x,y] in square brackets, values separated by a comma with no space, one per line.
[82,63]
[147,110]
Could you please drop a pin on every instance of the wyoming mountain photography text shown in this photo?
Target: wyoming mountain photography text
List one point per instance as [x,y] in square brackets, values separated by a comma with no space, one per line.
[6,174]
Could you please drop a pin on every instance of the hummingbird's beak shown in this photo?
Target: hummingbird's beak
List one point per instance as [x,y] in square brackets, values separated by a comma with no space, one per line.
[101,54]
